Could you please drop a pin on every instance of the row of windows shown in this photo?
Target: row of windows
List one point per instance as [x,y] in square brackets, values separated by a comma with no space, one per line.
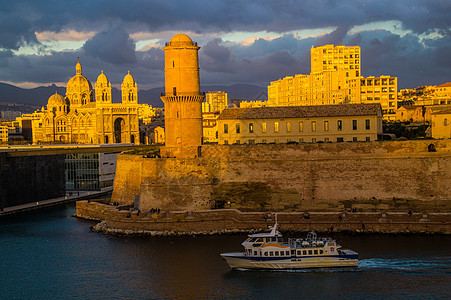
[300,140]
[369,82]
[287,253]
[300,128]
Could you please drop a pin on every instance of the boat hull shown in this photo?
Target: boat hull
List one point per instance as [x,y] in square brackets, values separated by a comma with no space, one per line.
[239,260]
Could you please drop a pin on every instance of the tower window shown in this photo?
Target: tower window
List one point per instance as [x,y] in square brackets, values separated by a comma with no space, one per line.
[173,64]
[174,91]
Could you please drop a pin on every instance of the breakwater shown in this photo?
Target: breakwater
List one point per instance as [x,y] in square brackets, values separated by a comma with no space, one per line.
[123,221]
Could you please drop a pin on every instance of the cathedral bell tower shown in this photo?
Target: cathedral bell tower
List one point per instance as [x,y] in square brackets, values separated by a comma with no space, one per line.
[182,98]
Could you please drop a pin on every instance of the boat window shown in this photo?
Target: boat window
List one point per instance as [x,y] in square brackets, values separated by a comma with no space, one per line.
[304,252]
[255,253]
[299,252]
[271,253]
[259,240]
[276,253]
[310,252]
[315,251]
[252,240]
[293,252]
[266,253]
[321,251]
[287,252]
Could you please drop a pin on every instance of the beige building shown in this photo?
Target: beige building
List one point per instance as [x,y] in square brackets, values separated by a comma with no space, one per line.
[3,133]
[214,104]
[325,123]
[84,118]
[182,99]
[441,127]
[255,103]
[335,78]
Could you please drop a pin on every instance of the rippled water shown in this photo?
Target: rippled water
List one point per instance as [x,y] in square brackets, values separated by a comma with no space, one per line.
[52,255]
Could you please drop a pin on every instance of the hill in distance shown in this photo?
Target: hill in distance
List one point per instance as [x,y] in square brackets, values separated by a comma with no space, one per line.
[40,95]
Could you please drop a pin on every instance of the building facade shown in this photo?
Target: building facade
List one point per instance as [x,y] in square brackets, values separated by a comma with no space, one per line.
[441,124]
[301,124]
[214,104]
[84,118]
[335,78]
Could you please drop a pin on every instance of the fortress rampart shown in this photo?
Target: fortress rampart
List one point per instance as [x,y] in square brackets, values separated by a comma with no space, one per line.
[374,176]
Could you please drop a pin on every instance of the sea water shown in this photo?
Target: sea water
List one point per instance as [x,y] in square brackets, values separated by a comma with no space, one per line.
[51,255]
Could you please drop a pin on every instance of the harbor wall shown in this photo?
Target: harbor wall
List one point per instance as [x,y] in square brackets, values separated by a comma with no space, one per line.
[373,176]
[124,221]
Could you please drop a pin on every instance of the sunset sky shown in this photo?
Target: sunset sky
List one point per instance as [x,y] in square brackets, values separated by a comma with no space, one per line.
[250,41]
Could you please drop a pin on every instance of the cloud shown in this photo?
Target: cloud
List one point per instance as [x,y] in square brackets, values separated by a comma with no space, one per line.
[335,37]
[111,45]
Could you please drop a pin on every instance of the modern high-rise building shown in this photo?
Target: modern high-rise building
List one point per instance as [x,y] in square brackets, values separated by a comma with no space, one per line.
[335,78]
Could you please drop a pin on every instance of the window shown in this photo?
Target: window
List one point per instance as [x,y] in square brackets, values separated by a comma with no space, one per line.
[339,125]
[264,141]
[301,126]
[304,252]
[326,125]
[367,124]
[226,142]
[368,139]
[315,251]
[445,122]
[299,253]
[237,125]
[313,140]
[339,139]
[226,128]
[237,142]
[326,140]
[301,140]
[354,139]
[251,142]
[310,252]
[313,126]
[276,127]
[276,253]
[354,124]
[288,127]
[251,127]
[271,253]
[263,127]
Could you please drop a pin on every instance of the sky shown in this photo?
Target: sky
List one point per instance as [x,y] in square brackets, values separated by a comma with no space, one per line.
[242,42]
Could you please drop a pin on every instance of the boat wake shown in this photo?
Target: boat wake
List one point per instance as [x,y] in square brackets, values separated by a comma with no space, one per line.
[415,264]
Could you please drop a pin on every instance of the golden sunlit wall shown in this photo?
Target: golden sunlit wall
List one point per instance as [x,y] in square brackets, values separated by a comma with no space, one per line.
[441,124]
[182,99]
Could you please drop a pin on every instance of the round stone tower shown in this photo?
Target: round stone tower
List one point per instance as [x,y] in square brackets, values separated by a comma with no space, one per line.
[182,98]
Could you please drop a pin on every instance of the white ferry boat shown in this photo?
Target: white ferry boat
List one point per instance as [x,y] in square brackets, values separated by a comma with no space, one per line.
[269,251]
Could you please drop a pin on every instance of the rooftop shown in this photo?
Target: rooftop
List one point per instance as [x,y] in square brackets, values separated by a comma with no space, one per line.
[300,111]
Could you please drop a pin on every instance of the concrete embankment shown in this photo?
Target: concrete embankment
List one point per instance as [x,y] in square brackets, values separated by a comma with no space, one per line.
[122,221]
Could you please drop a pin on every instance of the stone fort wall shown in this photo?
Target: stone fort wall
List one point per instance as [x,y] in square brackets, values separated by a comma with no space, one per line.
[375,176]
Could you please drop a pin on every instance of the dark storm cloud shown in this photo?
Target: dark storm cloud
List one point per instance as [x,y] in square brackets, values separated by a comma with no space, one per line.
[20,19]
[111,45]
[335,37]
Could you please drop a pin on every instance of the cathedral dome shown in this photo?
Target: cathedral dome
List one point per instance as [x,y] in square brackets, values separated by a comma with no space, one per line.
[128,79]
[56,100]
[102,79]
[78,83]
[181,40]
